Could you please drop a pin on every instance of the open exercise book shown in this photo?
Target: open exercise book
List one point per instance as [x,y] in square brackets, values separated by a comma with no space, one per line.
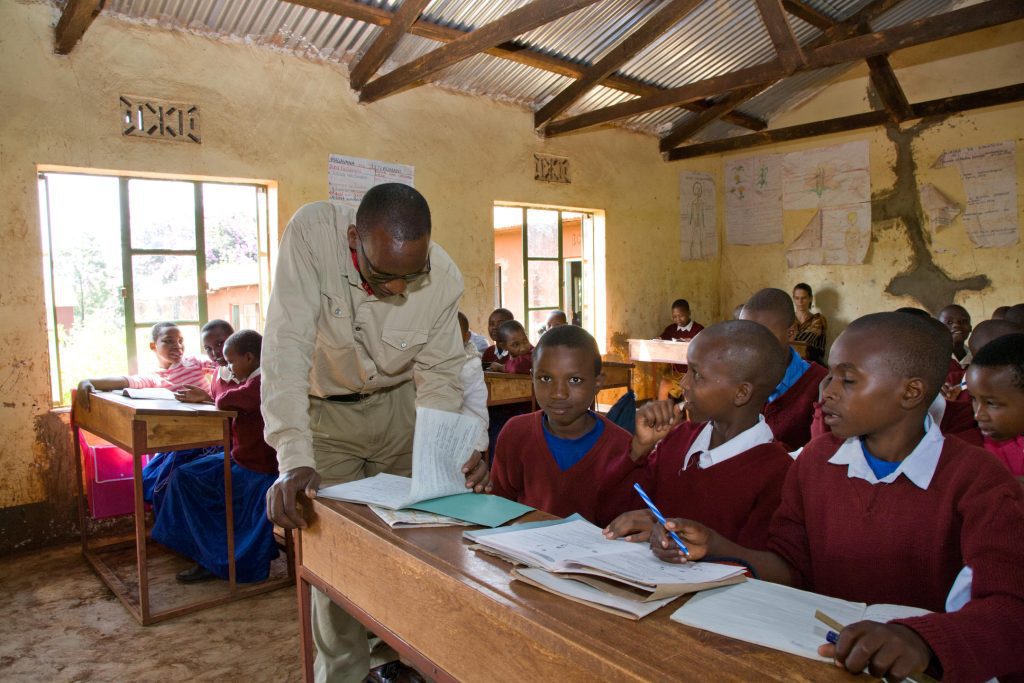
[779,617]
[442,443]
[574,559]
[157,393]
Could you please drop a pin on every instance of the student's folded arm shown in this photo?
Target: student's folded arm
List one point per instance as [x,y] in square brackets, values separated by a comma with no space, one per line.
[982,640]
[289,338]
[244,399]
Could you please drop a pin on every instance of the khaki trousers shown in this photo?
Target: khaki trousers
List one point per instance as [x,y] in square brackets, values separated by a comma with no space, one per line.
[352,441]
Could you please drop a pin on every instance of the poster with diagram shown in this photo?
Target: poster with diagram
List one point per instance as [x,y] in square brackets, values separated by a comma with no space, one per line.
[349,178]
[753,200]
[989,175]
[698,226]
[836,181]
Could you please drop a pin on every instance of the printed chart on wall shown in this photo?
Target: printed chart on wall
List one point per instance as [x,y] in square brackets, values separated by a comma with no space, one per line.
[349,178]
[698,234]
[753,200]
[836,182]
[989,175]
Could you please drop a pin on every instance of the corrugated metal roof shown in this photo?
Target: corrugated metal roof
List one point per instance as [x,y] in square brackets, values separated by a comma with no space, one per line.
[719,36]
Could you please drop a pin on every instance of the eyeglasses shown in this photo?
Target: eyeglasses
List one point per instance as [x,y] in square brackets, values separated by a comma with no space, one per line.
[378,277]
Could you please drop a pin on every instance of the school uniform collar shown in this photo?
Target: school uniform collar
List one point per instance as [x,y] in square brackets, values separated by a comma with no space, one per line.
[919,467]
[966,360]
[794,371]
[759,434]
[685,328]
[225,375]
[937,410]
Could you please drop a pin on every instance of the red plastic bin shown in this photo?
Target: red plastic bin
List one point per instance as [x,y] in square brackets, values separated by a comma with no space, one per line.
[109,484]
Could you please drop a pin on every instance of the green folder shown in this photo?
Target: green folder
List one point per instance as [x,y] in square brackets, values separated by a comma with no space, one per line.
[476,508]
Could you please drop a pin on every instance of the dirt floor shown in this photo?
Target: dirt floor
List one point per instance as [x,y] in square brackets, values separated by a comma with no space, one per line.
[60,623]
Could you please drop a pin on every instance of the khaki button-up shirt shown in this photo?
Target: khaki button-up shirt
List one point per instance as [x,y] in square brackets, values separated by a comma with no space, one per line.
[325,335]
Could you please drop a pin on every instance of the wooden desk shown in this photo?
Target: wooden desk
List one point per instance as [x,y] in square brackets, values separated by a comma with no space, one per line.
[455,614]
[658,351]
[149,426]
[505,388]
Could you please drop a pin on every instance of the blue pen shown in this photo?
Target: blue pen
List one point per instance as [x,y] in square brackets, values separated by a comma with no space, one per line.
[832,637]
[661,518]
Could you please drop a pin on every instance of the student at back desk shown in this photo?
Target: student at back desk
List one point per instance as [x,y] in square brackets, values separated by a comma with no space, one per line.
[790,408]
[191,517]
[554,459]
[886,510]
[496,353]
[683,328]
[996,380]
[520,351]
[726,472]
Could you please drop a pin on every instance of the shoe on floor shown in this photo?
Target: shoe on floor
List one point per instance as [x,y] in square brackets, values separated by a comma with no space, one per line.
[195,574]
[394,672]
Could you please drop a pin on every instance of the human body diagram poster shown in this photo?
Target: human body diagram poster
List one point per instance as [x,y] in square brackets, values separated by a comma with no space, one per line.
[349,178]
[836,181]
[698,229]
[989,175]
[753,200]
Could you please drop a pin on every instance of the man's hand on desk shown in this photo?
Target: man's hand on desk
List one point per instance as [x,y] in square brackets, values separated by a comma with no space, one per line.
[192,394]
[282,496]
[477,476]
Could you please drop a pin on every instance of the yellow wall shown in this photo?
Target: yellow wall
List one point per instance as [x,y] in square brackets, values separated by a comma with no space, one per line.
[274,116]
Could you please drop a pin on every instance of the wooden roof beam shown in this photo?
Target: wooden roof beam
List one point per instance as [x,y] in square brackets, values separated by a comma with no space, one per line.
[957,22]
[787,48]
[687,129]
[885,83]
[510,51]
[940,107]
[76,18]
[802,10]
[655,25]
[386,42]
[516,22]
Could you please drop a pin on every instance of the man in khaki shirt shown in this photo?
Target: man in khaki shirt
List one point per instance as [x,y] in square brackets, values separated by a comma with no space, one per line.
[361,329]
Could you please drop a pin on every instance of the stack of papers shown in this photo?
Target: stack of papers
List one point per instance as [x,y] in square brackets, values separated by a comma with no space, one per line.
[406,519]
[625,577]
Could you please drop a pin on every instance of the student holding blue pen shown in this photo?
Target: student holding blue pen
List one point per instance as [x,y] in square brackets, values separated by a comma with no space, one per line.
[727,471]
[885,509]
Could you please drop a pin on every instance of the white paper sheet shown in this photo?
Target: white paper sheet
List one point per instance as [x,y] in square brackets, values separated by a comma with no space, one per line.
[753,200]
[349,178]
[414,518]
[838,175]
[699,222]
[989,174]
[576,590]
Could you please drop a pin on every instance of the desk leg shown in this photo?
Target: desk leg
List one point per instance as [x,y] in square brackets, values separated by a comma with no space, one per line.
[82,525]
[229,507]
[138,445]
[305,615]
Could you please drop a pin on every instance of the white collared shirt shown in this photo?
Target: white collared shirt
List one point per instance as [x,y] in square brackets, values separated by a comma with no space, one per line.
[685,328]
[937,410]
[919,466]
[755,436]
[966,359]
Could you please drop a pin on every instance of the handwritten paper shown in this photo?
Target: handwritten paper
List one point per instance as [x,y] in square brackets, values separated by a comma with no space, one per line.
[698,226]
[838,175]
[349,178]
[939,210]
[989,175]
[834,236]
[753,200]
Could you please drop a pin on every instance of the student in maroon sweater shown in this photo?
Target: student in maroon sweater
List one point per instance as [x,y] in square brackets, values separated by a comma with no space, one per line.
[555,459]
[887,510]
[683,328]
[789,409]
[496,352]
[726,472]
[191,518]
[520,352]
[996,380]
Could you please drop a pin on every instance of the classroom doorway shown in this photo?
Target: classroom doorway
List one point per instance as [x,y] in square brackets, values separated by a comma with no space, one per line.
[547,259]
[122,252]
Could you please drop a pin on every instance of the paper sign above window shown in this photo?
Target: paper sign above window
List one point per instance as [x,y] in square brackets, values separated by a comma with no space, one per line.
[145,117]
[551,169]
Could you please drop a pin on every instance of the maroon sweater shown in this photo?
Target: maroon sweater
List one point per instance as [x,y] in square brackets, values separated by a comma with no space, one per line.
[248,448]
[525,471]
[736,498]
[520,365]
[896,543]
[490,355]
[790,415]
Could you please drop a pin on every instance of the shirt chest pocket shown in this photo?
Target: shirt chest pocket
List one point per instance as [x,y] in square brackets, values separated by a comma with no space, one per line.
[399,347]
[335,326]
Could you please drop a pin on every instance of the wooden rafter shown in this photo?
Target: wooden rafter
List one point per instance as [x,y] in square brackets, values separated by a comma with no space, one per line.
[787,48]
[655,25]
[510,51]
[940,107]
[983,15]
[76,18]
[804,11]
[885,83]
[385,42]
[516,22]
[856,23]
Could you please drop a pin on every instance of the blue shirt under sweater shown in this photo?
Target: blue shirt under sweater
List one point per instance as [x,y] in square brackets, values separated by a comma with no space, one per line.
[794,371]
[881,468]
[568,452]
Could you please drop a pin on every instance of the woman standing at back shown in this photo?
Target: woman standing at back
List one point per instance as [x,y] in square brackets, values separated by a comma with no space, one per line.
[809,340]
